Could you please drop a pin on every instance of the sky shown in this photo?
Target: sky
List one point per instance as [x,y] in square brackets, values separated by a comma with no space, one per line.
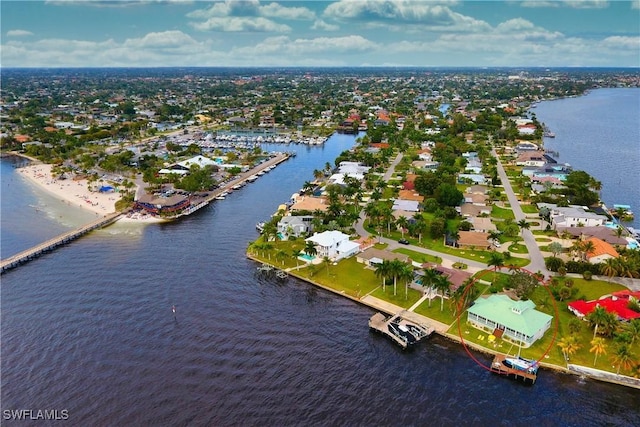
[254,33]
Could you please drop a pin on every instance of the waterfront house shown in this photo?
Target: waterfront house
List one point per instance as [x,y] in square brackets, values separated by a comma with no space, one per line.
[517,321]
[295,225]
[572,216]
[526,146]
[601,251]
[333,244]
[531,158]
[603,233]
[309,204]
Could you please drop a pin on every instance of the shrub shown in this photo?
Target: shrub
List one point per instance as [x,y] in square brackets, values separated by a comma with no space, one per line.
[587,275]
[553,263]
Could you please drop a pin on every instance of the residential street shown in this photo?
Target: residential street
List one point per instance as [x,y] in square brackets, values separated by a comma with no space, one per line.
[537,260]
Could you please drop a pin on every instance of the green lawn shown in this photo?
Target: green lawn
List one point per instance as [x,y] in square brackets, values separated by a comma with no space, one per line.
[419,256]
[400,299]
[526,208]
[501,213]
[518,248]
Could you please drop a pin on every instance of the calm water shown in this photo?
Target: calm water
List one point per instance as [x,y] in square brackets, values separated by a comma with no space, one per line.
[89,329]
[600,134]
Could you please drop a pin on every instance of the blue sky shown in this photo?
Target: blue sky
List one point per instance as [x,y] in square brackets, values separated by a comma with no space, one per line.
[446,33]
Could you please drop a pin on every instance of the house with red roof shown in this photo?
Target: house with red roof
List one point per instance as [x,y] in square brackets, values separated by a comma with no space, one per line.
[613,304]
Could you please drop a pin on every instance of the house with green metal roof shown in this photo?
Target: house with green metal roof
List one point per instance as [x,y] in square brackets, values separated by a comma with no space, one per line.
[517,320]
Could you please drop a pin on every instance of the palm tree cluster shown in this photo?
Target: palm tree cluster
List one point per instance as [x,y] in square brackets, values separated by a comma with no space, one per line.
[396,270]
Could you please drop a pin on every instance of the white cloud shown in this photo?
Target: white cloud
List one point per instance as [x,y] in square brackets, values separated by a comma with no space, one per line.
[113,4]
[253,8]
[19,33]
[321,25]
[275,10]
[402,15]
[283,45]
[162,40]
[238,24]
[576,4]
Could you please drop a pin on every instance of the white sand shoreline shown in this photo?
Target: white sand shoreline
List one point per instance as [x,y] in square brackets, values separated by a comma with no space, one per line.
[75,192]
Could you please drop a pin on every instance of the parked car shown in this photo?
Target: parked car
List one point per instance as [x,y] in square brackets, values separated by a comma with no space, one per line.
[496,243]
[403,241]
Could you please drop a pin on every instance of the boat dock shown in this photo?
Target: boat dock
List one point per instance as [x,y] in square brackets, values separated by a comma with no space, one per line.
[250,176]
[403,332]
[49,245]
[527,375]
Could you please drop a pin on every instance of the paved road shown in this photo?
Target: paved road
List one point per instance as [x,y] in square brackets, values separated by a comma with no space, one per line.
[473,266]
[537,260]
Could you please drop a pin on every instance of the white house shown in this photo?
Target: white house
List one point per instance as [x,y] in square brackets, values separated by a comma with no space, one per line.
[333,244]
[572,216]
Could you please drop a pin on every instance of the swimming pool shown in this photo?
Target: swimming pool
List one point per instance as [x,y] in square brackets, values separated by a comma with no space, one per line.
[308,257]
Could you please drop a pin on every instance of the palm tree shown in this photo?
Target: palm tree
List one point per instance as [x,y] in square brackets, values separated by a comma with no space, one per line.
[633,329]
[407,276]
[281,254]
[610,267]
[430,278]
[402,223]
[443,285]
[497,261]
[396,270]
[326,261]
[317,174]
[296,253]
[623,357]
[598,347]
[383,270]
[310,248]
[587,248]
[524,225]
[569,345]
[600,317]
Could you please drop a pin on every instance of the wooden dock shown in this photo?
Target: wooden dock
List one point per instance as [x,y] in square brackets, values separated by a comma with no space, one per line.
[403,332]
[51,244]
[498,367]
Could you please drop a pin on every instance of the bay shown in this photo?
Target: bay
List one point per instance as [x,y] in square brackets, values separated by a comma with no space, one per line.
[599,133]
[89,328]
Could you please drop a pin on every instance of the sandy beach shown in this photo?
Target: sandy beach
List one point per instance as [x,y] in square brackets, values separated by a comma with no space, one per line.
[75,193]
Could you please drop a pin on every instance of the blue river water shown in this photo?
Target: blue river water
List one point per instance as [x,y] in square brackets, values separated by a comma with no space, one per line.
[89,329]
[600,134]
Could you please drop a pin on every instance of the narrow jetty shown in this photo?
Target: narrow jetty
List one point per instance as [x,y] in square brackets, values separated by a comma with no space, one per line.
[403,332]
[49,245]
[502,365]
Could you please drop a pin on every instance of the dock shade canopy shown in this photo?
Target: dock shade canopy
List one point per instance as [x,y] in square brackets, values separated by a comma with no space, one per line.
[106,189]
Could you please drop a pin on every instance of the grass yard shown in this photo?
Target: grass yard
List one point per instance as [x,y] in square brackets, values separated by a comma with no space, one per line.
[529,209]
[419,256]
[501,213]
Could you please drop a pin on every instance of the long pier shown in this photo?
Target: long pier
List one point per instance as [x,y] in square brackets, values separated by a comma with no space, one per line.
[49,245]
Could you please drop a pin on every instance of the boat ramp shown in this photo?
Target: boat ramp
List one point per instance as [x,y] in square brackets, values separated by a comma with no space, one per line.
[402,331]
